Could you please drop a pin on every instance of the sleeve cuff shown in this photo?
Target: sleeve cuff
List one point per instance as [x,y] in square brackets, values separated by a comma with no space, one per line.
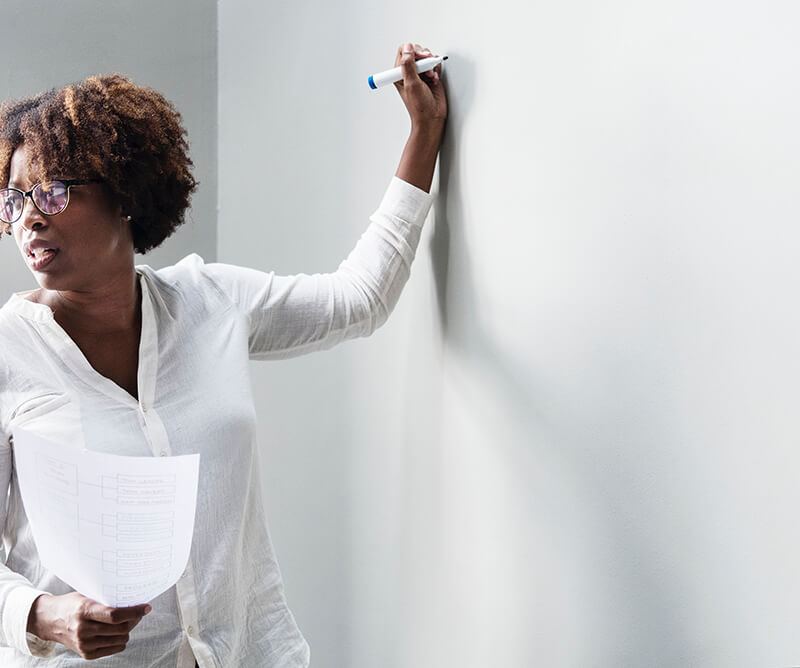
[17,608]
[406,202]
[38,647]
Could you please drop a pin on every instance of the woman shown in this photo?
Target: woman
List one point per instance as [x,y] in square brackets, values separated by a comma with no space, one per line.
[123,359]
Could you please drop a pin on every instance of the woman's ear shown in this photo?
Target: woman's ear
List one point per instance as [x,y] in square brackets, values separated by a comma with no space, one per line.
[123,216]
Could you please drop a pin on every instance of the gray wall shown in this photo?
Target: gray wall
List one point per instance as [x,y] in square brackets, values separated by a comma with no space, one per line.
[169,46]
[575,441]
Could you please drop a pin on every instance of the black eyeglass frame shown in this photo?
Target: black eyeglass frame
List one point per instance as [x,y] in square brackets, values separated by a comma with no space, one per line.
[25,195]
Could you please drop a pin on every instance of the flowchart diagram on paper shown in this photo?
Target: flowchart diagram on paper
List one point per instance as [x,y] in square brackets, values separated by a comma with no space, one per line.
[117,529]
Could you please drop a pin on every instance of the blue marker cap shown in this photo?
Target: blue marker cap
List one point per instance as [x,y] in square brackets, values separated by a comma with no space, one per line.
[372,84]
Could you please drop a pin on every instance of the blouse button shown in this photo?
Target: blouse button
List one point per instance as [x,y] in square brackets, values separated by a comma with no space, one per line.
[190,630]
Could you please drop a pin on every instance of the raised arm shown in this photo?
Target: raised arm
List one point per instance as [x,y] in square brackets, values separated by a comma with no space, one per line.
[293,315]
[426,102]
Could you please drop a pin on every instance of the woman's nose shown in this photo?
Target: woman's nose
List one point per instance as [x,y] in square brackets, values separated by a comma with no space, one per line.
[31,217]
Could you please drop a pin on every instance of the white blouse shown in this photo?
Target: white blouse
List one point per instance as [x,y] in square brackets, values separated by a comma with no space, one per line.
[201,323]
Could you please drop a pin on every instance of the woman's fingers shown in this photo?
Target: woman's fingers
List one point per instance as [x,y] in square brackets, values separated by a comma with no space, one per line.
[108,615]
[98,630]
[410,74]
[425,103]
[407,55]
[419,52]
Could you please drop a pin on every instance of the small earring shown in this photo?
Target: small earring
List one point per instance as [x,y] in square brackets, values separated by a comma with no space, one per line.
[128,218]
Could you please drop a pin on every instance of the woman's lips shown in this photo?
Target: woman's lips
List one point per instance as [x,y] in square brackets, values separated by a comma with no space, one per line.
[41,258]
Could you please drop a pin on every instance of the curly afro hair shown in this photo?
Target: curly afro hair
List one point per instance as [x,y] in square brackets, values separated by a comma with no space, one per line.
[107,127]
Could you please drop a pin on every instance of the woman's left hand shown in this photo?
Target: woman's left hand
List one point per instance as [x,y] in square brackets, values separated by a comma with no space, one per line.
[423,94]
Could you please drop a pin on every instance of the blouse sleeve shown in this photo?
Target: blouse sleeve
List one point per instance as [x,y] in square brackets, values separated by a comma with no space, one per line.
[292,315]
[17,594]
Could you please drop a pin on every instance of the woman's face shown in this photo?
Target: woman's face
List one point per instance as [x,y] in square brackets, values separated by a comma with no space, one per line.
[79,249]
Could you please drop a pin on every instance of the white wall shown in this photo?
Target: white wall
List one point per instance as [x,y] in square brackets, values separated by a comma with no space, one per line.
[168,46]
[575,442]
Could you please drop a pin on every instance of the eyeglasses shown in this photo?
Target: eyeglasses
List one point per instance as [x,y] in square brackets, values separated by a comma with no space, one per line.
[50,198]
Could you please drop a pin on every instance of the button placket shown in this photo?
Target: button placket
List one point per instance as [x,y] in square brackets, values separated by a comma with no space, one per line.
[187,602]
[153,429]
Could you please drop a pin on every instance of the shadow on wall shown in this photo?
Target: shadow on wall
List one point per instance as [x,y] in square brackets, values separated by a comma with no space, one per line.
[461,323]
[551,458]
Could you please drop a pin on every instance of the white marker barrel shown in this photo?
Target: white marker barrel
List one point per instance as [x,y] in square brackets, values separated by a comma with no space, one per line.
[396,73]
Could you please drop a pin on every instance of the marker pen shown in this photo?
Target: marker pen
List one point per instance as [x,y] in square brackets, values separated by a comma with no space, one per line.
[396,73]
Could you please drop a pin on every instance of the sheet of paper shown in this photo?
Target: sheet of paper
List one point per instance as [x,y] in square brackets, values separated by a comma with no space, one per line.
[117,529]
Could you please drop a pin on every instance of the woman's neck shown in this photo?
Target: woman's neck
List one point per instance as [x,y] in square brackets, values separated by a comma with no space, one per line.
[113,307]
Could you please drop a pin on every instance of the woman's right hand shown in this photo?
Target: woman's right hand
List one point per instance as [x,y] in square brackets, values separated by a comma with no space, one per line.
[88,628]
[423,95]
